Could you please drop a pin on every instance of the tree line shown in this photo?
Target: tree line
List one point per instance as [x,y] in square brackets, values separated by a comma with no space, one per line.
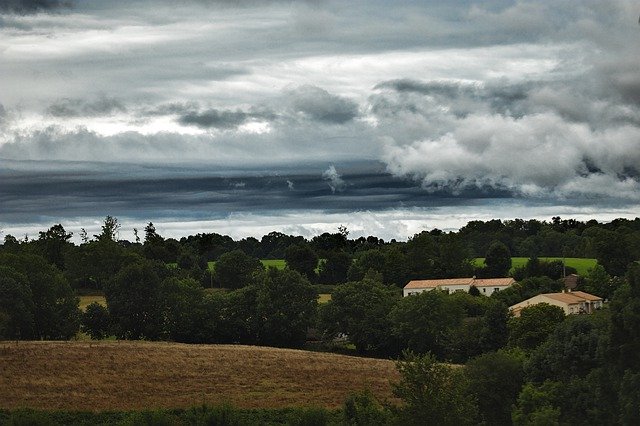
[540,368]
[334,258]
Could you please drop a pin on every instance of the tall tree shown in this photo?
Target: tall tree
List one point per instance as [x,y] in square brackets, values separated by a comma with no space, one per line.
[497,260]
[54,243]
[361,310]
[110,229]
[133,298]
[425,321]
[334,268]
[433,393]
[286,303]
[16,306]
[495,379]
[535,324]
[55,315]
[301,258]
[236,269]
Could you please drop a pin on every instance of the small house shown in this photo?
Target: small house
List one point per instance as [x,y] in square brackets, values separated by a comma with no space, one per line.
[571,302]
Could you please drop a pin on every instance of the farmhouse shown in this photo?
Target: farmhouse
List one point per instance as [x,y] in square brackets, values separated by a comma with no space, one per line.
[486,286]
[572,302]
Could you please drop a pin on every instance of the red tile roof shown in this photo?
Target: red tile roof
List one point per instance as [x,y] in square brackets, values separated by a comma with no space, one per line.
[478,282]
[493,282]
[438,283]
[572,297]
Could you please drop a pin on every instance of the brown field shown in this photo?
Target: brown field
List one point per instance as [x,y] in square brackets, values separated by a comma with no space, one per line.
[122,375]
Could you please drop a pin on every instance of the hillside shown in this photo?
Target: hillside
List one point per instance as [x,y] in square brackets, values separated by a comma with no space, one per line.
[120,375]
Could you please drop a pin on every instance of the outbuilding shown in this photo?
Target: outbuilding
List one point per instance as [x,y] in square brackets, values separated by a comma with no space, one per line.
[486,286]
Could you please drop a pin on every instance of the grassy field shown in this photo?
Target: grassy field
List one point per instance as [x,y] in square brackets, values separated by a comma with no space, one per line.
[581,265]
[122,375]
[87,300]
[276,263]
[324,297]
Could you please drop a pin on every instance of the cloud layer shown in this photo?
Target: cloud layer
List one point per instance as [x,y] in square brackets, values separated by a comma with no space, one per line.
[530,100]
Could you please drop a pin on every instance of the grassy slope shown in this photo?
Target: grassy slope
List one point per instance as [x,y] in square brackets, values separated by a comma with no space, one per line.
[136,375]
[581,265]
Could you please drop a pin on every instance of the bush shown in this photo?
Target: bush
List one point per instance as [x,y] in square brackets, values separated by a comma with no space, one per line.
[95,321]
[362,409]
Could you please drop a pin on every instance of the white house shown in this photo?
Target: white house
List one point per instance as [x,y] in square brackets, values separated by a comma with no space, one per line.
[571,302]
[486,286]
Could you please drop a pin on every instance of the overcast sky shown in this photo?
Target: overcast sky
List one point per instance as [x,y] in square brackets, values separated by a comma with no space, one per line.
[390,117]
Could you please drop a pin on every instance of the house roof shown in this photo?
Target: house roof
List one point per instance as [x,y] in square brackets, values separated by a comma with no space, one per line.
[567,298]
[493,282]
[572,297]
[437,283]
[478,282]
[586,296]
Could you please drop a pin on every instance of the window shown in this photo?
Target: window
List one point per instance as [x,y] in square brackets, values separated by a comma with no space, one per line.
[496,289]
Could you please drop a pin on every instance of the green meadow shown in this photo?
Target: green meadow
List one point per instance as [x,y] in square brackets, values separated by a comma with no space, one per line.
[581,265]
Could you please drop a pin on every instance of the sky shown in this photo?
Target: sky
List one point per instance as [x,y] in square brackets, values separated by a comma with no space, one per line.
[249,116]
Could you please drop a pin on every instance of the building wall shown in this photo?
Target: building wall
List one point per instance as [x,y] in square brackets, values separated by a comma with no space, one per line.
[450,288]
[540,299]
[488,291]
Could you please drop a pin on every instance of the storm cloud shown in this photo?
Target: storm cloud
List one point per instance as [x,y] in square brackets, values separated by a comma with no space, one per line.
[67,107]
[520,102]
[318,104]
[29,6]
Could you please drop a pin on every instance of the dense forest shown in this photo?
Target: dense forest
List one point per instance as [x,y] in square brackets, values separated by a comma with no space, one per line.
[539,368]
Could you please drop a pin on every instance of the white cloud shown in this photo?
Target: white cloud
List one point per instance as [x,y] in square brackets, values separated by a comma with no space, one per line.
[539,154]
[334,180]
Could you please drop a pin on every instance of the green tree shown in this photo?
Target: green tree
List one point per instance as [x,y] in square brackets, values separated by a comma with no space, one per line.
[362,409]
[301,258]
[494,333]
[370,260]
[56,315]
[527,288]
[437,255]
[110,229]
[235,269]
[240,320]
[53,244]
[574,348]
[360,309]
[180,302]
[497,261]
[599,283]
[334,268]
[495,379]
[630,398]
[433,393]
[396,267]
[537,405]
[425,321]
[96,321]
[93,264]
[625,322]
[16,305]
[611,250]
[155,246]
[534,325]
[133,298]
[286,303]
